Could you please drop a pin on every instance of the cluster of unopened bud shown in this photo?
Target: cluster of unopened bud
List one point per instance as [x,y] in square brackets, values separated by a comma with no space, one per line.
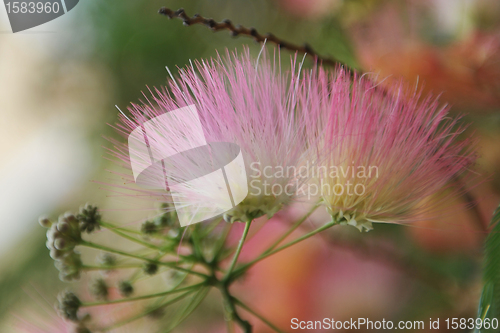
[89,218]
[62,237]
[65,234]
[68,305]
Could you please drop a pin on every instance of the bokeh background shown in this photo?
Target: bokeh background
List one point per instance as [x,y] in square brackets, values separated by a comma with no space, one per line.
[60,83]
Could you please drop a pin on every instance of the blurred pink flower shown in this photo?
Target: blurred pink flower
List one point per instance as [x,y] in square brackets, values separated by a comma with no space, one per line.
[466,71]
[310,8]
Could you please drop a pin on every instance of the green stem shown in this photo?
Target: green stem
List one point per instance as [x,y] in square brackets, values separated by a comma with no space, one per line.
[172,265]
[145,313]
[231,309]
[139,298]
[238,250]
[190,307]
[219,245]
[245,267]
[197,244]
[263,319]
[112,226]
[161,299]
[229,325]
[130,238]
[108,268]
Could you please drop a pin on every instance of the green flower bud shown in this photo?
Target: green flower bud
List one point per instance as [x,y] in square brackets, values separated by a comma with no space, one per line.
[149,228]
[168,217]
[126,288]
[63,226]
[69,266]
[150,268]
[89,218]
[52,233]
[56,254]
[99,288]
[68,277]
[45,222]
[106,259]
[68,304]
[60,243]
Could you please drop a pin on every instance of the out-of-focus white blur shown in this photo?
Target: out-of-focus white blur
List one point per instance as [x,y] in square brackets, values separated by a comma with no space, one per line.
[48,105]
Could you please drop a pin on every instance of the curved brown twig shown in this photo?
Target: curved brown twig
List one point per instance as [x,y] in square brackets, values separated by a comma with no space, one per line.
[239,30]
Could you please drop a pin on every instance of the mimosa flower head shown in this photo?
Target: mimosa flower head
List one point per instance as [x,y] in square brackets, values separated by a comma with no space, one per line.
[246,101]
[383,153]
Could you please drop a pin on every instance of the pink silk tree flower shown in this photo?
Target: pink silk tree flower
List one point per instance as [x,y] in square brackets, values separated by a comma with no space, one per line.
[384,154]
[246,101]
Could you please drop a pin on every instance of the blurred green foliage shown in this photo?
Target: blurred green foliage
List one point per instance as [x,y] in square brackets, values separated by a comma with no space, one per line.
[489,305]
